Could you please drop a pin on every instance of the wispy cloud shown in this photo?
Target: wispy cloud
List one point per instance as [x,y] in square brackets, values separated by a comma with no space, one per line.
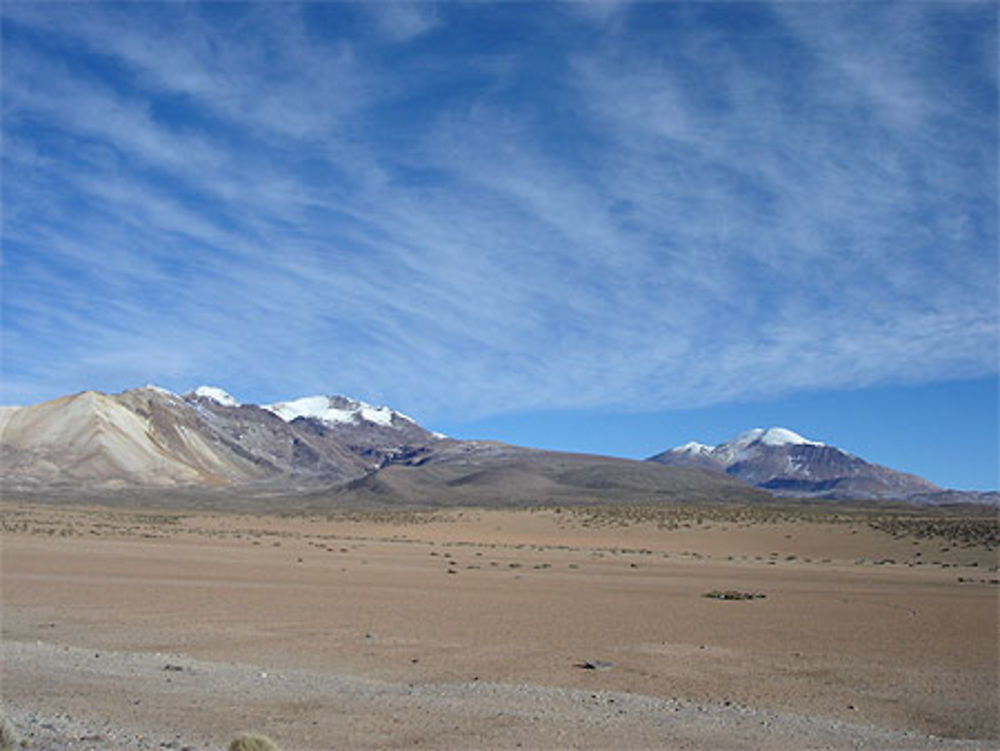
[403,21]
[665,205]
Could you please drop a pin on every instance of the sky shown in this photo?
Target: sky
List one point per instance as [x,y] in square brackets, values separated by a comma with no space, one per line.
[605,226]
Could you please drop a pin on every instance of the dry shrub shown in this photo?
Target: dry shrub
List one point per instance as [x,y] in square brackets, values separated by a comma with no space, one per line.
[8,738]
[252,742]
[732,594]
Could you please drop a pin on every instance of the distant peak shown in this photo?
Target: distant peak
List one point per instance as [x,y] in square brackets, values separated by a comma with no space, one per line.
[216,395]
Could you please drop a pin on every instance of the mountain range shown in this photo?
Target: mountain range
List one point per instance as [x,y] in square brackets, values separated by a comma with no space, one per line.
[313,452]
[325,450]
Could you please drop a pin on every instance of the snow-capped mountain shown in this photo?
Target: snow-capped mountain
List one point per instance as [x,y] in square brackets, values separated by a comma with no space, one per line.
[152,437]
[786,463]
[214,393]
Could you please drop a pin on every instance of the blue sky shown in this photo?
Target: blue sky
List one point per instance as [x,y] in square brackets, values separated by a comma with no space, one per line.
[608,226]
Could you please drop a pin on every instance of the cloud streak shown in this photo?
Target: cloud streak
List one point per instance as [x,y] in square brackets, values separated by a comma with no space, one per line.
[661,206]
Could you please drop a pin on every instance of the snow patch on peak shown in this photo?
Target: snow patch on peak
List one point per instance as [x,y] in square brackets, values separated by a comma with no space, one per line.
[377,415]
[334,409]
[216,394]
[159,389]
[768,437]
[307,406]
[693,447]
[746,438]
[737,449]
[750,443]
[784,437]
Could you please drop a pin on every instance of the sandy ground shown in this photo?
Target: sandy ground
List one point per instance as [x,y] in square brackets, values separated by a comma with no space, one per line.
[471,629]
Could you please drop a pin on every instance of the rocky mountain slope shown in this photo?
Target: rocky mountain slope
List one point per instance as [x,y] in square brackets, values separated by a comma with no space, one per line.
[315,451]
[785,463]
[152,437]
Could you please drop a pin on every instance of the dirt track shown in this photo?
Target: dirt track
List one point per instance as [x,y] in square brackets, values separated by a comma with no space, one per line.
[469,629]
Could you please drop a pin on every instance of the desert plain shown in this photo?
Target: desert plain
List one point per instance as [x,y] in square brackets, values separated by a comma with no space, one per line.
[547,628]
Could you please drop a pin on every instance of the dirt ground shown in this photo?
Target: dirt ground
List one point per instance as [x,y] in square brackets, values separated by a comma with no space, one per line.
[557,628]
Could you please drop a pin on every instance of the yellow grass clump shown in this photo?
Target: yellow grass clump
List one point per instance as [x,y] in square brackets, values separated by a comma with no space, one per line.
[252,742]
[8,738]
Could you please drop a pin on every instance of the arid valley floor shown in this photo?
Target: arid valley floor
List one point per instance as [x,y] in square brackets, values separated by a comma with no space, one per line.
[495,629]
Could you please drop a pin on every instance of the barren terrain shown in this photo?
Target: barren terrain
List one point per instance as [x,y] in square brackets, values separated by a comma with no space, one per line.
[556,628]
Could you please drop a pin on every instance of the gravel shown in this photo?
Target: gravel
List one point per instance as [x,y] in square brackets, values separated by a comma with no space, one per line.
[66,697]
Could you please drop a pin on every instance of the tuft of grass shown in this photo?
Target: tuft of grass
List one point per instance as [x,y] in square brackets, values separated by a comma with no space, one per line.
[8,737]
[252,742]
